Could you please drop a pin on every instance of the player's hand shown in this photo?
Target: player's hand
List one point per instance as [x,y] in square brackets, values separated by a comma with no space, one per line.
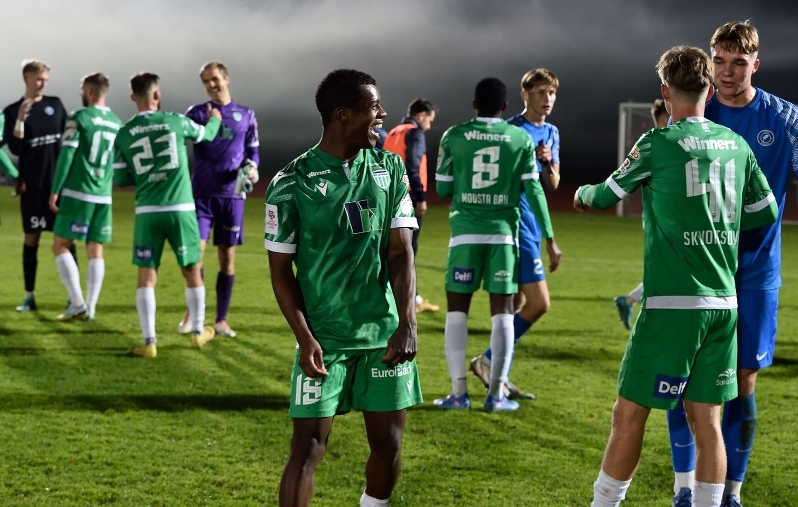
[311,358]
[19,187]
[24,109]
[543,153]
[421,208]
[52,202]
[554,254]
[579,205]
[402,345]
[213,112]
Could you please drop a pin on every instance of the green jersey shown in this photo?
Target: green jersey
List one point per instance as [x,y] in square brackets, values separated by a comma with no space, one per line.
[5,163]
[151,154]
[701,187]
[336,217]
[84,167]
[483,164]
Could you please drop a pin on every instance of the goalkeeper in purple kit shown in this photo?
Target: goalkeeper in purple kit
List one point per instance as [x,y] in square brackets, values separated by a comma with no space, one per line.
[224,171]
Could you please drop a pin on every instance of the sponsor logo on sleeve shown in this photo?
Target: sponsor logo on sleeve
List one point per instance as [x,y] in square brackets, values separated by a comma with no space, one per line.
[79,228]
[406,206]
[272,219]
[669,388]
[463,276]
[143,253]
[406,180]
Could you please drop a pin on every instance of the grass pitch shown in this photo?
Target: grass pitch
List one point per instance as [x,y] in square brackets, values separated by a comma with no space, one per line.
[84,423]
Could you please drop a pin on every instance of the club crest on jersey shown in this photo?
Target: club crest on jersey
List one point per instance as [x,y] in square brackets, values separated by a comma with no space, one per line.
[381,178]
[49,111]
[237,116]
[765,137]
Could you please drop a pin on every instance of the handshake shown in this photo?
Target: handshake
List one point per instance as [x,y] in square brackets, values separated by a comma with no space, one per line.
[247,176]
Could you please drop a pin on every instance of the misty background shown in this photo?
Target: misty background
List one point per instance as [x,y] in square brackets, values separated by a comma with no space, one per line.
[604,53]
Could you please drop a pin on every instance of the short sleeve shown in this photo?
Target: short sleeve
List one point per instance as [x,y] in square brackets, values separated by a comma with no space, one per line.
[402,213]
[635,170]
[282,216]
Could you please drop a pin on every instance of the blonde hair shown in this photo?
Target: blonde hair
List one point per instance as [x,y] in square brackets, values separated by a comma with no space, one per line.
[538,77]
[33,66]
[687,69]
[736,36]
[214,64]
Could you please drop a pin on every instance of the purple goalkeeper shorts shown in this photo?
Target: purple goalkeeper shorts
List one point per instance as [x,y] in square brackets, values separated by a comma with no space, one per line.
[225,215]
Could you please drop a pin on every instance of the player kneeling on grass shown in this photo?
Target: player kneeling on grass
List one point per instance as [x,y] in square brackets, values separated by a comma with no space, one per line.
[342,213]
[151,155]
[83,178]
[701,187]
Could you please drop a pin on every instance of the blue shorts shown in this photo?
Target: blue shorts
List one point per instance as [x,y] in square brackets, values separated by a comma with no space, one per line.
[530,269]
[756,328]
[225,215]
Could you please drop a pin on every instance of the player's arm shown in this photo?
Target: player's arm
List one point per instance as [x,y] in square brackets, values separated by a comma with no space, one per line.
[5,163]
[69,147]
[14,143]
[759,204]
[551,155]
[530,178]
[634,172]
[416,147]
[444,173]
[251,141]
[123,175]
[200,133]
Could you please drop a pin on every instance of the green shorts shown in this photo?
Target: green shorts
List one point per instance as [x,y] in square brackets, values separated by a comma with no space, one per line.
[180,228]
[81,220]
[495,265]
[357,378]
[674,354]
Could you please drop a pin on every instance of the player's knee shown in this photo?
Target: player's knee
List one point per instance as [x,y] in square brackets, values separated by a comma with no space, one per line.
[308,451]
[534,309]
[746,382]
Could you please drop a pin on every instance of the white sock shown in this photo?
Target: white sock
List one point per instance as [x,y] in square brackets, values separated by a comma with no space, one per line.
[733,488]
[70,277]
[145,305]
[608,492]
[637,293]
[94,283]
[683,480]
[195,300]
[706,494]
[455,336]
[370,501]
[501,346]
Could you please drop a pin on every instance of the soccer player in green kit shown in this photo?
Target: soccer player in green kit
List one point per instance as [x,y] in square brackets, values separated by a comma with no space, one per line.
[482,164]
[701,187]
[341,212]
[5,163]
[150,153]
[83,179]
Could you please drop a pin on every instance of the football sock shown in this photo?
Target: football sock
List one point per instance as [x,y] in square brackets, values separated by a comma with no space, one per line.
[637,293]
[520,327]
[68,271]
[501,341]
[706,494]
[738,427]
[608,492]
[684,480]
[29,262]
[195,300]
[94,283]
[145,306]
[682,446]
[224,292]
[370,501]
[732,488]
[455,336]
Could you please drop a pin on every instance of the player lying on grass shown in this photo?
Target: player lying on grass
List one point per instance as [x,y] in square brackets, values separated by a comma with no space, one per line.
[701,186]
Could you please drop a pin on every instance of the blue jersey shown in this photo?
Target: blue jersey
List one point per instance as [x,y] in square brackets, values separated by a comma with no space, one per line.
[770,126]
[528,227]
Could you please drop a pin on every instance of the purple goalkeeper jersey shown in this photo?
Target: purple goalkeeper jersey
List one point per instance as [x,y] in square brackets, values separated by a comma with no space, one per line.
[216,162]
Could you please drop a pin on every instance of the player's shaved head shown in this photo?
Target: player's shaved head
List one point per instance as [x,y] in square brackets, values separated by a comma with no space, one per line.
[490,96]
[143,84]
[687,71]
[33,66]
[98,82]
[214,64]
[736,36]
[340,88]
[539,77]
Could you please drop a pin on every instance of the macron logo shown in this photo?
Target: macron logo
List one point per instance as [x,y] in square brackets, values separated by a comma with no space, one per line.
[322,187]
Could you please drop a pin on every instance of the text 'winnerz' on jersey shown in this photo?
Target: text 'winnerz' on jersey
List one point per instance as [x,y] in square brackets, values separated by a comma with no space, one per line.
[482,165]
[84,167]
[336,218]
[150,153]
[701,186]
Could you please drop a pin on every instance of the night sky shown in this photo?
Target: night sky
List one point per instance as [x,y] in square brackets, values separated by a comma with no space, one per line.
[604,53]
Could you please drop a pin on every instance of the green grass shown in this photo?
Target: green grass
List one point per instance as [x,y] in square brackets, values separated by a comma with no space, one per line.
[83,423]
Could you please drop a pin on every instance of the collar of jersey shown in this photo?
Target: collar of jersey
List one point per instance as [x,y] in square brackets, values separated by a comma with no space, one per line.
[739,109]
[146,113]
[335,161]
[696,119]
[488,119]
